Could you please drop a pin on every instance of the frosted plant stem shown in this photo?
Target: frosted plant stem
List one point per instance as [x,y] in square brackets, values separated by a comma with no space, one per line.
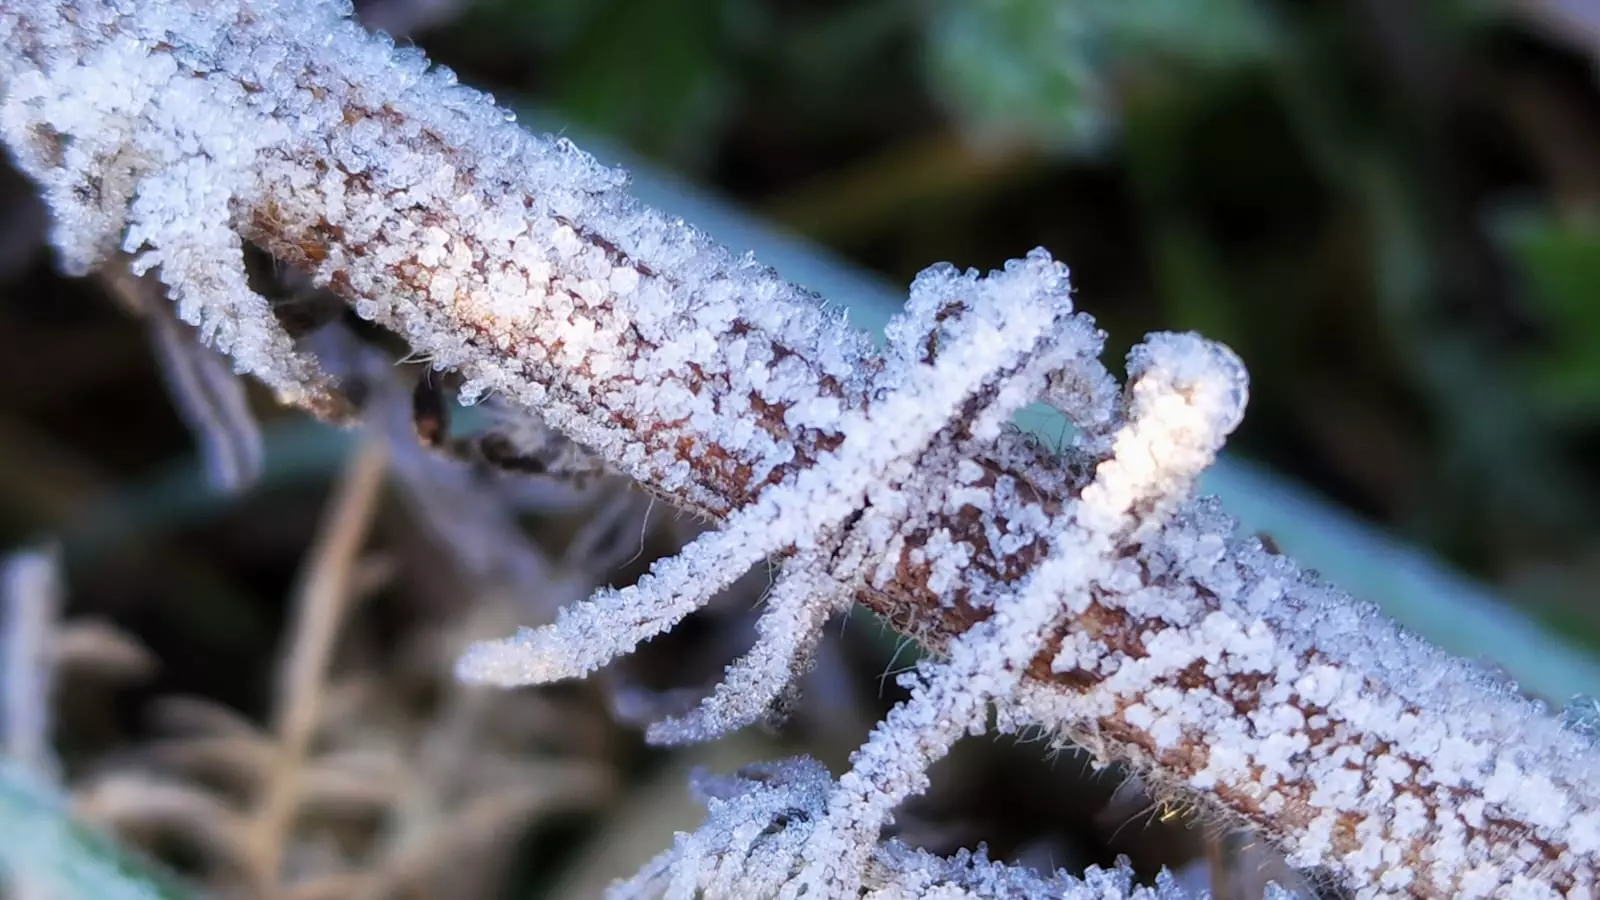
[208,395]
[592,632]
[987,334]
[741,852]
[1185,396]
[787,633]
[176,130]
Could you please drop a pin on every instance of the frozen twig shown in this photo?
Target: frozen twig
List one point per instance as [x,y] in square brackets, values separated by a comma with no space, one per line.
[1576,22]
[1187,395]
[175,130]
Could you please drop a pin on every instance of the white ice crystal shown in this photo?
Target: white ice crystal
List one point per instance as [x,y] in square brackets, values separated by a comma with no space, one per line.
[799,604]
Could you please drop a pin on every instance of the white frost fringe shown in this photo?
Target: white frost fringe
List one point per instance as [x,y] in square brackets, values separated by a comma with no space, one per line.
[1111,607]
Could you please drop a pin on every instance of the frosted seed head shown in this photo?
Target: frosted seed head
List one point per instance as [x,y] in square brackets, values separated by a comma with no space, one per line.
[1209,375]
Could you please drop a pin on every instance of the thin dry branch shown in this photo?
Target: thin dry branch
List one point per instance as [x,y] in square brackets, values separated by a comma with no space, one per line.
[30,608]
[1219,667]
[320,604]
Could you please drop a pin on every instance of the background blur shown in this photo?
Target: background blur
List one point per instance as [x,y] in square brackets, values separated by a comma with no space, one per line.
[1390,210]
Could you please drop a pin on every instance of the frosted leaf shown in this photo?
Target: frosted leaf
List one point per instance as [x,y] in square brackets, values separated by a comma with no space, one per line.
[587,635]
[797,607]
[1185,396]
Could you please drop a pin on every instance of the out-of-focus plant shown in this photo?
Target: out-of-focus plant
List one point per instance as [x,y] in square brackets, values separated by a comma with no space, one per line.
[1560,259]
[1048,72]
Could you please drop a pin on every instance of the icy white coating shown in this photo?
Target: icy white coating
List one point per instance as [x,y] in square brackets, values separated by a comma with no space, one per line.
[178,129]
[799,604]
[758,821]
[1225,668]
[144,151]
[1186,396]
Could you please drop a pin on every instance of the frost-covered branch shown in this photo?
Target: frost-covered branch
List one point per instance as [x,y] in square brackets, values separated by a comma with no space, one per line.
[1087,592]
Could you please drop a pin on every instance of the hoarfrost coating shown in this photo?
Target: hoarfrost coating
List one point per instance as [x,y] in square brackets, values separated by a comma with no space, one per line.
[739,852]
[177,131]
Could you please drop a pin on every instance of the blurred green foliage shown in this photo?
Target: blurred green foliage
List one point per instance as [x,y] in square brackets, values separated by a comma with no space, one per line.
[1045,70]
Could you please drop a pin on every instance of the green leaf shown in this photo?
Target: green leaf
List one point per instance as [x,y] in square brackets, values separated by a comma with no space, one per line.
[41,846]
[1048,71]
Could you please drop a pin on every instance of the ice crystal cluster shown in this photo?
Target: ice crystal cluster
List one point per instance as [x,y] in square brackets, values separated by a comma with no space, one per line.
[1085,592]
[763,815]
